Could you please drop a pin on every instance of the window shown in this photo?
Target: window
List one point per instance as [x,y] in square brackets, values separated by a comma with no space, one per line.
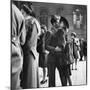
[44,17]
[77,19]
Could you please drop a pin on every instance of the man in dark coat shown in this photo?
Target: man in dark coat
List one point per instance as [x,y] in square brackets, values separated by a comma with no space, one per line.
[55,45]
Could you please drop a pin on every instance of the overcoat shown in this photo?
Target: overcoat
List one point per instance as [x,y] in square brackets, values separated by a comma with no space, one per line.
[56,59]
[30,66]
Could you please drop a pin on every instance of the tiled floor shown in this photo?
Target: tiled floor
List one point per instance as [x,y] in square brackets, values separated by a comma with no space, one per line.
[78,76]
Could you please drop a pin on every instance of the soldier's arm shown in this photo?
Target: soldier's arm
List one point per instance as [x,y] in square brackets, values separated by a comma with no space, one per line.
[47,43]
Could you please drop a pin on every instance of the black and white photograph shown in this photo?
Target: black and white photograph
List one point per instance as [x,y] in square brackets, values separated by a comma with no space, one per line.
[48,44]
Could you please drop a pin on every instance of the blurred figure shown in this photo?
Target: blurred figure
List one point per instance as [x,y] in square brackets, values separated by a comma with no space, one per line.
[85,49]
[17,39]
[42,52]
[30,67]
[81,49]
[69,59]
[75,48]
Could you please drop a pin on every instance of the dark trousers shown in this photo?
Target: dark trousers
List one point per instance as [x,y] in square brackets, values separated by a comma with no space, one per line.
[51,72]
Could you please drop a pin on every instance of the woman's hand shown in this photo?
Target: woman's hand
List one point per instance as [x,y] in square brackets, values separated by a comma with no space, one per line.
[57,49]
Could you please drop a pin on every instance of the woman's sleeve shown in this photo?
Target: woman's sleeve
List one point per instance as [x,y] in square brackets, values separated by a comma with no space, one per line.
[23,32]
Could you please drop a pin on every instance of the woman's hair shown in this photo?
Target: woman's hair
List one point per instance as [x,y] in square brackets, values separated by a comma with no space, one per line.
[64,20]
[53,19]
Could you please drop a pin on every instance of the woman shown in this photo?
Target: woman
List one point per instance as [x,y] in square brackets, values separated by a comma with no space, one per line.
[42,52]
[30,66]
[69,59]
[75,48]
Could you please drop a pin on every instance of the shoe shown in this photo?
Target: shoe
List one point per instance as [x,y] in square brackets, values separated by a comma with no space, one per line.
[43,81]
[80,60]
[75,68]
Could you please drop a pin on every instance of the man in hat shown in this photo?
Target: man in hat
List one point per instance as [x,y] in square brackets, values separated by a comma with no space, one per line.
[55,45]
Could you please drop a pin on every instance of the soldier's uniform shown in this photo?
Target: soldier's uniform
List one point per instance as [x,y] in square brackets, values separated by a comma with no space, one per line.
[57,59]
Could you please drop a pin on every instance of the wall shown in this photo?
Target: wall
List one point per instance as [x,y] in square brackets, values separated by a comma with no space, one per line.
[65,10]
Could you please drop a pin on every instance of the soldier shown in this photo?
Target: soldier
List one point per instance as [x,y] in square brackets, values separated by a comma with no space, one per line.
[55,45]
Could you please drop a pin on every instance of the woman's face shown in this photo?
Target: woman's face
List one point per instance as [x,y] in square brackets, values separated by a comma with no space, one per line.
[62,25]
[56,24]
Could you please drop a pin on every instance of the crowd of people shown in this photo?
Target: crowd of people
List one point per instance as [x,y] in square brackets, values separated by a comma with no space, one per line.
[34,46]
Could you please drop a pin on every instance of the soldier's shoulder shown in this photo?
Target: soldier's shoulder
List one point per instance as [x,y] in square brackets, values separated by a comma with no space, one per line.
[49,33]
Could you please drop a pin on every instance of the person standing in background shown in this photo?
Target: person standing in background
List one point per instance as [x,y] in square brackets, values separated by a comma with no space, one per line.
[75,43]
[81,49]
[42,52]
[18,34]
[69,58]
[85,49]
